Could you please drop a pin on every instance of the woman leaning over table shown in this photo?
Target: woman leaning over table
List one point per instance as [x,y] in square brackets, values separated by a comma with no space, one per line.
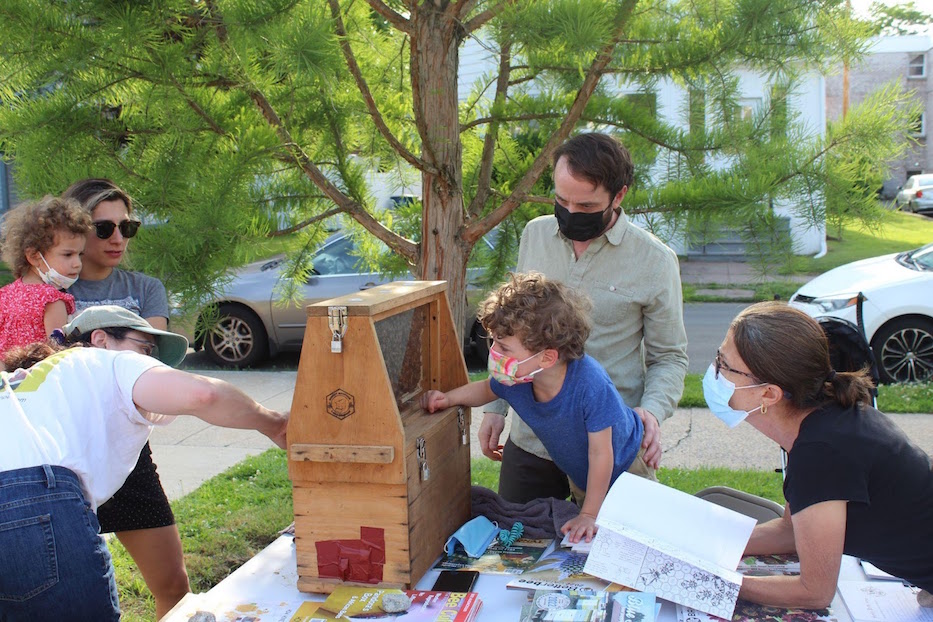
[139,513]
[855,484]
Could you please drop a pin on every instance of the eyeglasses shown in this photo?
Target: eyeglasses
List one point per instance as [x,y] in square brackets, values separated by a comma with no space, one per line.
[721,364]
[104,228]
[147,346]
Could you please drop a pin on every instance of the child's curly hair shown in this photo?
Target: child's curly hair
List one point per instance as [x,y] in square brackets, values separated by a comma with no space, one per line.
[32,226]
[543,314]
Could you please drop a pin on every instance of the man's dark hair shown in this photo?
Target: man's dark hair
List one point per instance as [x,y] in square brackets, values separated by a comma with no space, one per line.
[599,159]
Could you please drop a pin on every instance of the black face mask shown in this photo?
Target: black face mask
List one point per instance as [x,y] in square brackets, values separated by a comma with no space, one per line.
[581,226]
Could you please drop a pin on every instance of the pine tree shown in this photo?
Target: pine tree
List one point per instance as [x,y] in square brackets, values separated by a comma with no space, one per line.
[233,121]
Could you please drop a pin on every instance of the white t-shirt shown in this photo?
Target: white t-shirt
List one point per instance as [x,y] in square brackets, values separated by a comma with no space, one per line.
[75,409]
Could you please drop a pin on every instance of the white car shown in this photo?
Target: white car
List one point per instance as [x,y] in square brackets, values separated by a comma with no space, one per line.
[897,311]
[906,192]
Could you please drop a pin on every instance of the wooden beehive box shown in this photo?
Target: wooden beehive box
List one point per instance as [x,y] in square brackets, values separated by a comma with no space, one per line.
[378,484]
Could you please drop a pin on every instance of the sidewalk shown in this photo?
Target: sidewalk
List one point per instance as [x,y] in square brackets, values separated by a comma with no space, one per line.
[189,451]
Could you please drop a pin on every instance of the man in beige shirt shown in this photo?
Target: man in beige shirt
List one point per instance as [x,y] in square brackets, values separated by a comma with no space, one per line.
[633,280]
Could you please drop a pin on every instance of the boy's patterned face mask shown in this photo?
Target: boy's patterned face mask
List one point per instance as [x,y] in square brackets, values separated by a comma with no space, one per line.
[505,368]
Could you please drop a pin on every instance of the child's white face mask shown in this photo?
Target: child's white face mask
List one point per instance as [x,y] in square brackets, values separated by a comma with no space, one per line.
[54,278]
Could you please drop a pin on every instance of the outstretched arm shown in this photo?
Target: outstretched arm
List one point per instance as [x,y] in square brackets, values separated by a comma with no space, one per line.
[473,394]
[598,477]
[173,392]
[818,535]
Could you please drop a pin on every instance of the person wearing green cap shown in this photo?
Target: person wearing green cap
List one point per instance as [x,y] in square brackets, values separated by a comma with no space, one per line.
[74,425]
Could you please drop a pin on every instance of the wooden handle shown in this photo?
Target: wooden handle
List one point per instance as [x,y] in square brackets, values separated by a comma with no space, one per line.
[305,452]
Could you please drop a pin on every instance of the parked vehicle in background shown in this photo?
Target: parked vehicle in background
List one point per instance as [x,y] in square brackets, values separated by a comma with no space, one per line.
[246,322]
[897,311]
[910,187]
[922,201]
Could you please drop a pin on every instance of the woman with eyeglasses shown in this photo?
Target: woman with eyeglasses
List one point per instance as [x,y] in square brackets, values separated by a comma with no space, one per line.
[855,484]
[139,513]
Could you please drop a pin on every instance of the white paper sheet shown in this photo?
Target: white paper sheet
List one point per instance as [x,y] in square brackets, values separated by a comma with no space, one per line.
[882,601]
[696,526]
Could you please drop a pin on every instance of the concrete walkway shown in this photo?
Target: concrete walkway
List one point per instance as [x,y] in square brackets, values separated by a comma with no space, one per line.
[189,451]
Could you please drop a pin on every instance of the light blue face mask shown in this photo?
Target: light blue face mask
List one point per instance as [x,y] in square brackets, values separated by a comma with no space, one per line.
[474,536]
[718,392]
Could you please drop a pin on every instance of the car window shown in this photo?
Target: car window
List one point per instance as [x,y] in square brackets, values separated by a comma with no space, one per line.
[924,257]
[922,180]
[337,257]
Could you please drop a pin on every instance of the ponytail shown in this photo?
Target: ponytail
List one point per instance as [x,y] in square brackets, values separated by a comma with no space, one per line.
[849,388]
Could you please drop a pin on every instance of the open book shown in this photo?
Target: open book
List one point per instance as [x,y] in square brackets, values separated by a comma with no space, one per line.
[656,539]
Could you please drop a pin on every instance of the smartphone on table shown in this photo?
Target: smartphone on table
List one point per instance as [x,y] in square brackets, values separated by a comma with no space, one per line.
[455,581]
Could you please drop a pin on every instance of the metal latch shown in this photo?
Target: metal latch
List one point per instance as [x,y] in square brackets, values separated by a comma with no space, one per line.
[422,459]
[337,322]
[461,423]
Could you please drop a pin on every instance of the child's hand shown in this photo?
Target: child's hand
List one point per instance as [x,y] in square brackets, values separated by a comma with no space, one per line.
[434,400]
[583,526]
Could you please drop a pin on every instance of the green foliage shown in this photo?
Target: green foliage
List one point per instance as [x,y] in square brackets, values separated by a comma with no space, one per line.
[233,122]
[899,19]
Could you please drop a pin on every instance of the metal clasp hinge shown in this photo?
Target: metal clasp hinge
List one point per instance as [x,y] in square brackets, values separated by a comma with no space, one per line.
[461,423]
[422,459]
[337,322]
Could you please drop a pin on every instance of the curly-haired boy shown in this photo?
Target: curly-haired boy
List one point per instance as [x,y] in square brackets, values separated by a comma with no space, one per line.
[537,364]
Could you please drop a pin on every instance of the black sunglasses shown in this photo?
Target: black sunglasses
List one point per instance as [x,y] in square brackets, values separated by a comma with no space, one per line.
[721,364]
[104,228]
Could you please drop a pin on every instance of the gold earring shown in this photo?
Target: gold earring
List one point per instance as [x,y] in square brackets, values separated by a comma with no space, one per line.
[764,409]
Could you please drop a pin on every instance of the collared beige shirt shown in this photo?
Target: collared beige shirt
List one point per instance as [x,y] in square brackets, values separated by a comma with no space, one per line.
[638,334]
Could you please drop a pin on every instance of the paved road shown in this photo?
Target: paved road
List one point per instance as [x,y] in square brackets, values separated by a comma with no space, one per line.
[706,325]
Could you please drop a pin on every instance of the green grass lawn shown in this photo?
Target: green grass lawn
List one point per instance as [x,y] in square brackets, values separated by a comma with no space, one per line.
[234,515]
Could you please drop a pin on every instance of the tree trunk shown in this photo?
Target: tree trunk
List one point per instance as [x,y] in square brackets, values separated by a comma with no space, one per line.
[435,41]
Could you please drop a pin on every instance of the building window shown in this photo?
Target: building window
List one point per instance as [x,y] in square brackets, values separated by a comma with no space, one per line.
[747,108]
[917,66]
[918,127]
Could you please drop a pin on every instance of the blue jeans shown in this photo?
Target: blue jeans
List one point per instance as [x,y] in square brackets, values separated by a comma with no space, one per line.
[54,565]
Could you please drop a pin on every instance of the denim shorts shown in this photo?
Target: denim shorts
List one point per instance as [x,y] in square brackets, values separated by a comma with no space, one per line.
[55,565]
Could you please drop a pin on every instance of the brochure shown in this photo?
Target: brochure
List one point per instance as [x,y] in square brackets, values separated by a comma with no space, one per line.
[883,601]
[656,539]
[561,569]
[751,612]
[769,565]
[362,603]
[499,559]
[574,606]
[874,572]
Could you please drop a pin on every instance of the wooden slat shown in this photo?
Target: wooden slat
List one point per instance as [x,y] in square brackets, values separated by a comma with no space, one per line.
[376,300]
[341,453]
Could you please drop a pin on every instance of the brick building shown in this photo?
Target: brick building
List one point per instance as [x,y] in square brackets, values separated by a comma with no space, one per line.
[889,58]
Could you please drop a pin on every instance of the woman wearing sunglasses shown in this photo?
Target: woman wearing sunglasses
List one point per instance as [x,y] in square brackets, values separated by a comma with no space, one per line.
[139,513]
[855,484]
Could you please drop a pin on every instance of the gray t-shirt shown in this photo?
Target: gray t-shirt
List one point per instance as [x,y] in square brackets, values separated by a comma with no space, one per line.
[141,294]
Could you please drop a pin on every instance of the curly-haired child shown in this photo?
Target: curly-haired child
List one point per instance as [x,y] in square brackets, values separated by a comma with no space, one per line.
[42,245]
[537,364]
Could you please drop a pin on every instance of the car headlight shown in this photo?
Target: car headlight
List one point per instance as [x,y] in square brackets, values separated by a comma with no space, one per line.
[835,304]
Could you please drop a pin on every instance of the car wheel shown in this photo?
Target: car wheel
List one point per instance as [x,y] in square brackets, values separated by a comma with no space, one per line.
[904,350]
[238,339]
[480,342]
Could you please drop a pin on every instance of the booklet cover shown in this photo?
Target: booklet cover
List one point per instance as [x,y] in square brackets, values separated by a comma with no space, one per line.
[883,601]
[751,612]
[653,538]
[499,559]
[362,603]
[574,606]
[561,569]
[769,565]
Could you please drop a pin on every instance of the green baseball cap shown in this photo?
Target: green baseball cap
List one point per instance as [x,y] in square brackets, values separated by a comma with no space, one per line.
[171,346]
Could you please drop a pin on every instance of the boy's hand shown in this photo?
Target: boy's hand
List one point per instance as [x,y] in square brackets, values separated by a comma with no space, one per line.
[434,400]
[583,526]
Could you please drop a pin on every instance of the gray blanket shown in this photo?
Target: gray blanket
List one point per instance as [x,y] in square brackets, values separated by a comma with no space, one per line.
[542,518]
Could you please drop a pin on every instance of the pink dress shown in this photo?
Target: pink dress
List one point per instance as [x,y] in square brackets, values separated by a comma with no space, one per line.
[22,312]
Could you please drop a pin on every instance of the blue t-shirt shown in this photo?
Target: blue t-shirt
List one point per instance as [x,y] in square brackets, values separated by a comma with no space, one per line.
[587,402]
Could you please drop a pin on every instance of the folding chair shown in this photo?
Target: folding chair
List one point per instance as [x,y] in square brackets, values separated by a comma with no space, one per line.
[759,508]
